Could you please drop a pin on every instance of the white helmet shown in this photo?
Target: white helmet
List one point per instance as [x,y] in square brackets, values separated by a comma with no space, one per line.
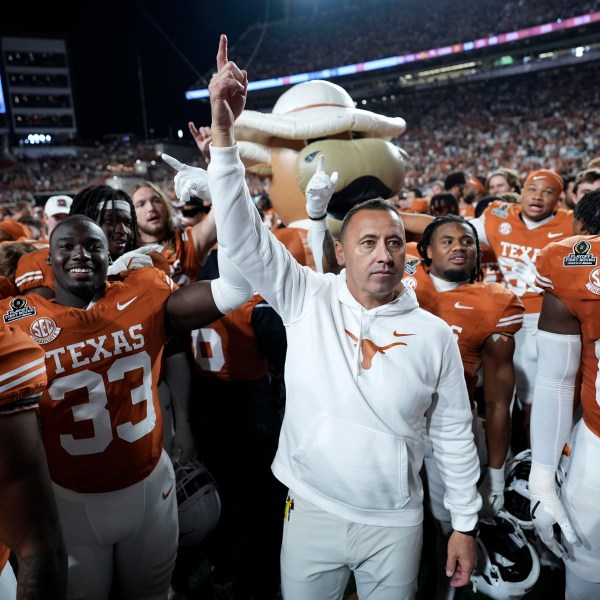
[517,499]
[199,504]
[507,564]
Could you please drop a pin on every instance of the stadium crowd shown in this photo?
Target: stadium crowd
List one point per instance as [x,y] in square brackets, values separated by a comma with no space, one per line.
[367,25]
[198,435]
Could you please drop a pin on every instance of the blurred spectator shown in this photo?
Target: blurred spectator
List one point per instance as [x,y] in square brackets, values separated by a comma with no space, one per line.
[586,181]
[56,210]
[443,204]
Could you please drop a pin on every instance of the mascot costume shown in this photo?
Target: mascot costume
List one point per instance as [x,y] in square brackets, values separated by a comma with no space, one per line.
[319,117]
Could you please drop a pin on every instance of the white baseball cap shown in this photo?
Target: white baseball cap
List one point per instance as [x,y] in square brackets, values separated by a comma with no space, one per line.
[56,205]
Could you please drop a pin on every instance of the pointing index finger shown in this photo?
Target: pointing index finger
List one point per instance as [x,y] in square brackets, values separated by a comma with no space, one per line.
[222,53]
[321,163]
[173,162]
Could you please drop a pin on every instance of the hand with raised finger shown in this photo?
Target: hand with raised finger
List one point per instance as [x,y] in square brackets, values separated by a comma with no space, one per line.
[189,181]
[228,89]
[319,190]
[202,137]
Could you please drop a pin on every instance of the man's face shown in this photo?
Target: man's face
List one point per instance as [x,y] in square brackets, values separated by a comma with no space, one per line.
[151,212]
[498,185]
[118,228]
[54,220]
[453,252]
[373,252]
[79,259]
[586,187]
[538,199]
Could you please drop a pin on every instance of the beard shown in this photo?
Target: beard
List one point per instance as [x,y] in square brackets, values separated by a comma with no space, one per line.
[157,229]
[456,275]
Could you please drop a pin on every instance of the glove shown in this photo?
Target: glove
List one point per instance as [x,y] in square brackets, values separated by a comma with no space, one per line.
[183,447]
[319,190]
[492,492]
[547,510]
[135,259]
[189,181]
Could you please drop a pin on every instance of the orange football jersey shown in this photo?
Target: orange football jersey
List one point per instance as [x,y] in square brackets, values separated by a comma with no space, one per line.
[489,265]
[183,260]
[22,366]
[102,425]
[295,239]
[517,248]
[228,348]
[570,269]
[467,211]
[34,271]
[473,311]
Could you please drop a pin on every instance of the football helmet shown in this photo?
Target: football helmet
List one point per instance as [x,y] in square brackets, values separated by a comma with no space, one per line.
[198,501]
[507,564]
[517,499]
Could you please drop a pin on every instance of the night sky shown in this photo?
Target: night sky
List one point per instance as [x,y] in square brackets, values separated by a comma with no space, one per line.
[175,41]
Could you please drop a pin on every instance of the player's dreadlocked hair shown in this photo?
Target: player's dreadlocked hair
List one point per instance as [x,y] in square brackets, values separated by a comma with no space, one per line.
[477,273]
[92,202]
[587,212]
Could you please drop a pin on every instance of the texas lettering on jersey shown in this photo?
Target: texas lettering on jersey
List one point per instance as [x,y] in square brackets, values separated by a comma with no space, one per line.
[516,247]
[102,426]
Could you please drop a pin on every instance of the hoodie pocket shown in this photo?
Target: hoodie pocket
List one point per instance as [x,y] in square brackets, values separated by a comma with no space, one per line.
[354,465]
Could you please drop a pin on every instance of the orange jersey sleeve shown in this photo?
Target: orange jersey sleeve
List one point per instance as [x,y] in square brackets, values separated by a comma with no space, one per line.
[34,271]
[102,425]
[228,348]
[570,269]
[516,247]
[22,366]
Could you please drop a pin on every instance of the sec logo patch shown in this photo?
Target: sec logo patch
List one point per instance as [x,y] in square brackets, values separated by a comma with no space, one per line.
[505,228]
[44,330]
[410,282]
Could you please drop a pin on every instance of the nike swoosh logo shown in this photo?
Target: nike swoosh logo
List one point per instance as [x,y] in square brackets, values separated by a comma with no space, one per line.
[553,235]
[396,334]
[459,305]
[125,304]
[535,507]
[165,495]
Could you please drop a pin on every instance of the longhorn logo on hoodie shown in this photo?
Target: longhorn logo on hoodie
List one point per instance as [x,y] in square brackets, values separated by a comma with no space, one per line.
[369,348]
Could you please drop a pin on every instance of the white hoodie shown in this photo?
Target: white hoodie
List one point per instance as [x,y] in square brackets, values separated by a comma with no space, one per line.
[366,390]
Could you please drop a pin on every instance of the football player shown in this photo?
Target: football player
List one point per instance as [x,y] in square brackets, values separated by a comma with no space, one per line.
[102,424]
